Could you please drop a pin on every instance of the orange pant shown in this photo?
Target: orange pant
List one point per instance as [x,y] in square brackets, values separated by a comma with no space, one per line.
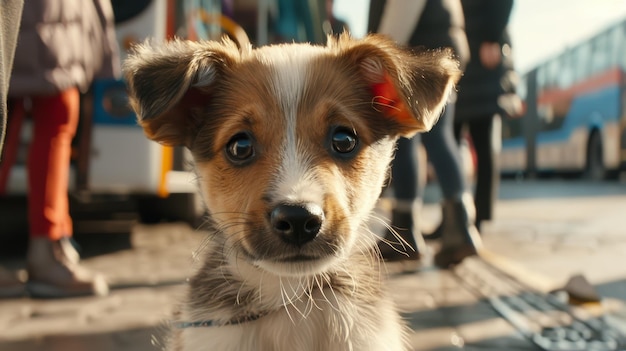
[55,119]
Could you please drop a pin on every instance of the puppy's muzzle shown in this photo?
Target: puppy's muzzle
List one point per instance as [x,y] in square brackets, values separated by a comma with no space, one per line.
[297,224]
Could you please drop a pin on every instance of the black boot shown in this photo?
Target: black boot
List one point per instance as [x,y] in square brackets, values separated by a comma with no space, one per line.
[459,236]
[404,243]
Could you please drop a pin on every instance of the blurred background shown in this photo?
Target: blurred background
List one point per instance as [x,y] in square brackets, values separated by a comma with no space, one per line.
[568,54]
[539,29]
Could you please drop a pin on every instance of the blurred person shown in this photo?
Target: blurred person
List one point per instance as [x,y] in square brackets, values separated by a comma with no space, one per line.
[295,21]
[430,25]
[333,25]
[62,46]
[10,15]
[486,93]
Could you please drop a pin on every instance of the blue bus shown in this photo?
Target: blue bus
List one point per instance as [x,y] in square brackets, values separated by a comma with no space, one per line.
[574,120]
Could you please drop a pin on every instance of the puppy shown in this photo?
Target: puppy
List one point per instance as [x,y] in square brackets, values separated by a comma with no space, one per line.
[291,145]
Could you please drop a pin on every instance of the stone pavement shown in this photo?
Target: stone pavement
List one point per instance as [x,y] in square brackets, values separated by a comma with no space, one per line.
[544,233]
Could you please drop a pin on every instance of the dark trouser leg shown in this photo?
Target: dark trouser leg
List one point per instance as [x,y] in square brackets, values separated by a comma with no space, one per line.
[405,170]
[443,154]
[486,136]
[402,244]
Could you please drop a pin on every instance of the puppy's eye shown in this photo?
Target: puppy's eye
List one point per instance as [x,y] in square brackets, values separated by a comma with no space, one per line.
[240,148]
[344,140]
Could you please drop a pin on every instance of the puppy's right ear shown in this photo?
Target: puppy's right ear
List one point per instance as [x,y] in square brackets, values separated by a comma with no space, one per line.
[167,82]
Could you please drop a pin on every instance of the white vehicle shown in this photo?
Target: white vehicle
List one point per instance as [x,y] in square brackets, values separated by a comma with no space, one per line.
[115,169]
[117,173]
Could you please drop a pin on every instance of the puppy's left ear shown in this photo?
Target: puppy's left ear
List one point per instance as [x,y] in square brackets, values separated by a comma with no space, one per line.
[168,82]
[410,89]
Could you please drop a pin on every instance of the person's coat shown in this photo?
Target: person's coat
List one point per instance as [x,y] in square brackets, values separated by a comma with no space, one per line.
[63,44]
[439,25]
[484,92]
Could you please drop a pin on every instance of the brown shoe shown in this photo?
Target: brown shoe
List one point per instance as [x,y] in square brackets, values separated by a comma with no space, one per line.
[10,285]
[54,272]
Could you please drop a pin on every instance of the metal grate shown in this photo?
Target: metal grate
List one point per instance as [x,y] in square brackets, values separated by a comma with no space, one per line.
[546,320]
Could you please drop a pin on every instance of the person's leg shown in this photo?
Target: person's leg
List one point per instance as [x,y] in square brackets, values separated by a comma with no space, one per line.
[55,119]
[406,189]
[443,154]
[459,237]
[486,136]
[10,284]
[405,170]
[52,262]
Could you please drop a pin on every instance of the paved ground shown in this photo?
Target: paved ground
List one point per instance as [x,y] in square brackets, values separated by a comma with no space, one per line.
[545,232]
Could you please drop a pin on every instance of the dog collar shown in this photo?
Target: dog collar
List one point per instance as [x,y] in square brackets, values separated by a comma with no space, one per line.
[213,323]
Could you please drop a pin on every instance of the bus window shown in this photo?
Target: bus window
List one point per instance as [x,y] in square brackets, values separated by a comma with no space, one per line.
[566,63]
[615,45]
[582,55]
[541,77]
[600,57]
[552,74]
[622,46]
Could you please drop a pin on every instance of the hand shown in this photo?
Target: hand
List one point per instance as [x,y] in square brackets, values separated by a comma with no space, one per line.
[490,54]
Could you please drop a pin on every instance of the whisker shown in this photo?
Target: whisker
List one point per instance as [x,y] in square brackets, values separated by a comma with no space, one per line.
[400,240]
[285,302]
[332,290]
[386,102]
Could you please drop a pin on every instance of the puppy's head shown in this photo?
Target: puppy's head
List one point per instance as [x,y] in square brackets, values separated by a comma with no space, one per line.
[291,142]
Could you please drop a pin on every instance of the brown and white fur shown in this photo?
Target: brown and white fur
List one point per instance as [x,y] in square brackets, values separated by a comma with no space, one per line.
[292,145]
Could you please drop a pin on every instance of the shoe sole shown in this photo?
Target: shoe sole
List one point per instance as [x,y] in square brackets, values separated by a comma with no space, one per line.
[48,291]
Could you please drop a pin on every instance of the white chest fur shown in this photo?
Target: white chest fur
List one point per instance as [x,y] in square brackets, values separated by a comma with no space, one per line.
[325,322]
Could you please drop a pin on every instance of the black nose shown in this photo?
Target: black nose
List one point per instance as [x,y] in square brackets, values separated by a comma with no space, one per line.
[297,224]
